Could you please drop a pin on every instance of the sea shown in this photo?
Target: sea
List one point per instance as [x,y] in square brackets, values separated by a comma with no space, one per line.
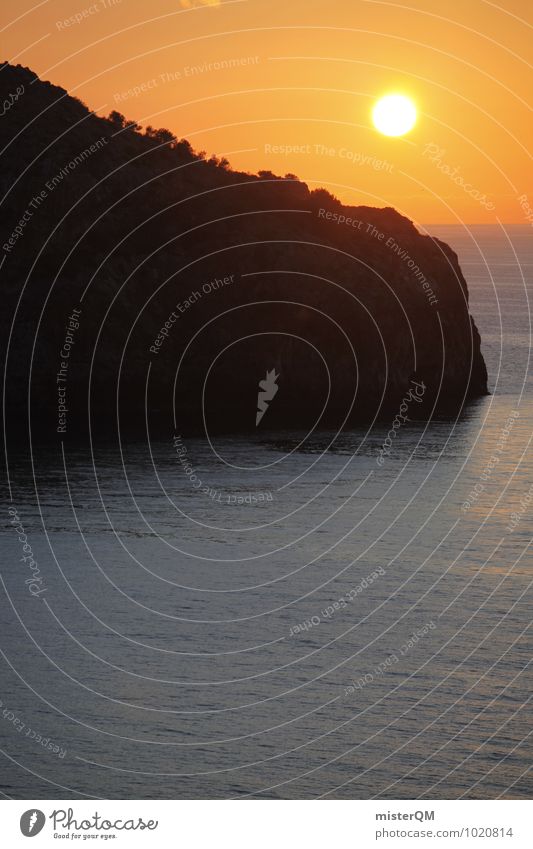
[282,616]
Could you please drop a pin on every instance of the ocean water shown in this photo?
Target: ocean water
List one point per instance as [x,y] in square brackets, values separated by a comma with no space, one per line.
[298,621]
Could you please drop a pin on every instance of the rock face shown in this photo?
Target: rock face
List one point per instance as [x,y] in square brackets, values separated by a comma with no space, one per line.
[145,286]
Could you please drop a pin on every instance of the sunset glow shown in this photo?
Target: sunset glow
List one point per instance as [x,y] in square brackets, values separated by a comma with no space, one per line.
[295,83]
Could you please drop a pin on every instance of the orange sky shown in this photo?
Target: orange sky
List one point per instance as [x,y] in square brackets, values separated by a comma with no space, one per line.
[304,75]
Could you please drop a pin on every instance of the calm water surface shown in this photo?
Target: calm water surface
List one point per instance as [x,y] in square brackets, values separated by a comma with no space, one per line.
[354,631]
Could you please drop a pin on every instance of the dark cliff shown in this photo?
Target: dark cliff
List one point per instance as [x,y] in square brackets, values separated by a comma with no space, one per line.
[141,280]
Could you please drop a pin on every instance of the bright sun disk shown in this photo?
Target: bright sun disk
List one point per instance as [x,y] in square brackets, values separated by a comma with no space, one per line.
[394,115]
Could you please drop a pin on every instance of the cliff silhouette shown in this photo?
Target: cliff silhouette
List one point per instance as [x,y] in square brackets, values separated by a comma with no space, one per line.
[146,286]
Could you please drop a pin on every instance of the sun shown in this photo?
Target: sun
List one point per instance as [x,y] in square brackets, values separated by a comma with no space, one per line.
[394,115]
